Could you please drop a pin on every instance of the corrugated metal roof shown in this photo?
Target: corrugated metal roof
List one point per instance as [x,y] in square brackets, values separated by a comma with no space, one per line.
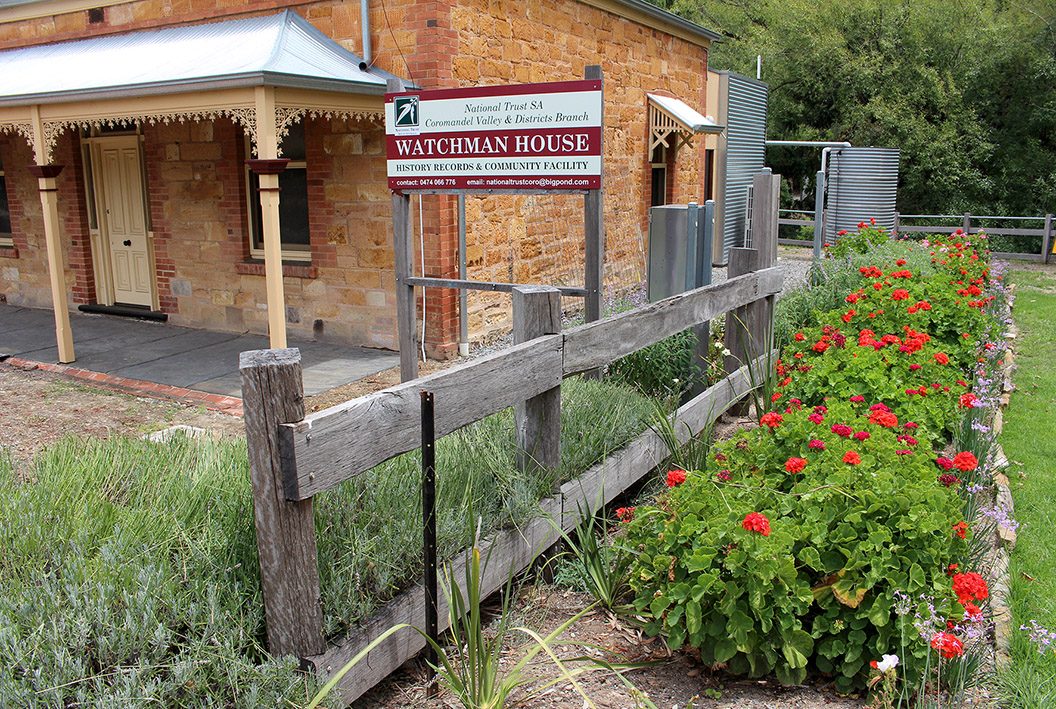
[690,118]
[667,16]
[276,50]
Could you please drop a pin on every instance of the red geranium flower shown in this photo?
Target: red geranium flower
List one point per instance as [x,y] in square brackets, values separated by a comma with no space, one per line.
[948,480]
[625,514]
[949,646]
[795,465]
[842,430]
[899,294]
[970,586]
[960,529]
[883,418]
[755,522]
[676,477]
[852,458]
[944,462]
[968,400]
[965,461]
[771,419]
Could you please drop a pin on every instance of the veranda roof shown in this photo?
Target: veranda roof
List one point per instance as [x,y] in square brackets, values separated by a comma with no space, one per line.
[282,50]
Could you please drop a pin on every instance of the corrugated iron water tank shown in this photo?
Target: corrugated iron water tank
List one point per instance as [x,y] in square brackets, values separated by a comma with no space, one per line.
[861,184]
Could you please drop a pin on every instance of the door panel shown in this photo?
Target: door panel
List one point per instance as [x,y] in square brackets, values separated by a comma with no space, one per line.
[125,221]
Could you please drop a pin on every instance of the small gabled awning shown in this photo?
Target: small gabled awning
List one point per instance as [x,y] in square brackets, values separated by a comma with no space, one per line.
[671,117]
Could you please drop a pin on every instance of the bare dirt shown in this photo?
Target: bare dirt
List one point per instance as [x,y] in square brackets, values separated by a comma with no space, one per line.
[669,680]
[38,409]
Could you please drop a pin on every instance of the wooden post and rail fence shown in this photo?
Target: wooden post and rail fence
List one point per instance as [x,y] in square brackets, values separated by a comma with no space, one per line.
[1047,232]
[294,456]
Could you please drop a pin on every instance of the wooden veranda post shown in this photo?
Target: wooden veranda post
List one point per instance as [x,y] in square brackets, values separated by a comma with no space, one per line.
[537,312]
[268,166]
[272,394]
[46,174]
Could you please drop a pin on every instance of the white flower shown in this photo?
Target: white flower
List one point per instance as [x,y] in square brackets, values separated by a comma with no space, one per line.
[889,662]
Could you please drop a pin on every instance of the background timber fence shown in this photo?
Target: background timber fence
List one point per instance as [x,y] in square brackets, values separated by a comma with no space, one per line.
[1043,235]
[294,457]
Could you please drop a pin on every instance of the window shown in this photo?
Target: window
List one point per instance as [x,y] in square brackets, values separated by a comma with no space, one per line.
[709,175]
[293,201]
[659,175]
[5,210]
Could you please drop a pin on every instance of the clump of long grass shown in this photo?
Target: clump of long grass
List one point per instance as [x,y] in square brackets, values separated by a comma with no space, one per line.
[129,575]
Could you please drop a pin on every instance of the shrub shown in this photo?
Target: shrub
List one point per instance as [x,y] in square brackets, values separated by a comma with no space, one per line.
[819,532]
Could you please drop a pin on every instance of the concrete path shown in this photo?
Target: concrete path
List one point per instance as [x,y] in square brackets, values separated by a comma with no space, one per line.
[201,360]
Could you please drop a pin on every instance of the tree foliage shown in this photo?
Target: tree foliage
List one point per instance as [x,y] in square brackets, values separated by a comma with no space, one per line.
[965,88]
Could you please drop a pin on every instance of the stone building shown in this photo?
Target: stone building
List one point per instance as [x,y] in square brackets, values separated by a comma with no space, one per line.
[138,146]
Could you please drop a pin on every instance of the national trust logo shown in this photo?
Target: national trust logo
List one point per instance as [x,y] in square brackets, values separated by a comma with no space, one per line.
[406,115]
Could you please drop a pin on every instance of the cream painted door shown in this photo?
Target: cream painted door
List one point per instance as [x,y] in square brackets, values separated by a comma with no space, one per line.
[125,222]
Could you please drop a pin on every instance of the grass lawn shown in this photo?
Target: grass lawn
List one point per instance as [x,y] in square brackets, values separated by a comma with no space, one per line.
[1029,440]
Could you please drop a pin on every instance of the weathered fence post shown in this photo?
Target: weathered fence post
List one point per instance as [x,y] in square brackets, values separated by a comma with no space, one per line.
[967,223]
[1046,240]
[272,393]
[766,188]
[537,312]
[743,324]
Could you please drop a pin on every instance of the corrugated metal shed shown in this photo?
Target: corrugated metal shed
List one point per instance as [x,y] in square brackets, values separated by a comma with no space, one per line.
[276,50]
[742,154]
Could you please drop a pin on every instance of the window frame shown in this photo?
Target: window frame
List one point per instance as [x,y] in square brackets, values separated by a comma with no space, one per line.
[290,252]
[659,166]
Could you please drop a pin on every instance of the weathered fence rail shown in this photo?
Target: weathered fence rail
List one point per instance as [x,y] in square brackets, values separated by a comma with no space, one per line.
[331,446]
[513,549]
[295,457]
[1047,232]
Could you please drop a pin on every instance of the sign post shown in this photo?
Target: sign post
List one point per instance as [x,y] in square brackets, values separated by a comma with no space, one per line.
[514,139]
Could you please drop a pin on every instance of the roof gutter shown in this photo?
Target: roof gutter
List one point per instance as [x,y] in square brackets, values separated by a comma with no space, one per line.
[233,81]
